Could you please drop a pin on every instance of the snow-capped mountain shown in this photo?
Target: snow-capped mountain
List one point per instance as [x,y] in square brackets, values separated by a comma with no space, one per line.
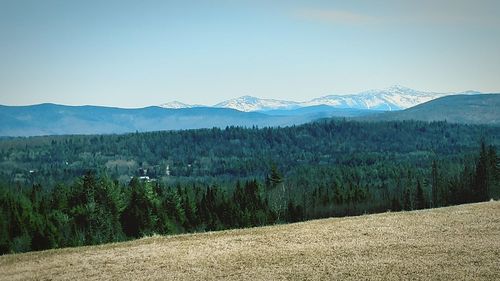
[249,103]
[470,92]
[389,99]
[177,105]
[393,98]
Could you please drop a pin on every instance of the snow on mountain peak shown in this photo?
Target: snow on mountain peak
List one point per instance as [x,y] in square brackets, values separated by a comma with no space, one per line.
[469,92]
[400,89]
[396,97]
[176,105]
[249,103]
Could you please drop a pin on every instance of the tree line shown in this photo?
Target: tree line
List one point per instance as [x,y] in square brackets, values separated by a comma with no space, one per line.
[96,208]
[215,155]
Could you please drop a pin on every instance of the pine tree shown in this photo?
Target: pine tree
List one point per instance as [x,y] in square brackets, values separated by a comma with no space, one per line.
[419,197]
[435,185]
[406,200]
[494,172]
[275,178]
[481,179]
[395,205]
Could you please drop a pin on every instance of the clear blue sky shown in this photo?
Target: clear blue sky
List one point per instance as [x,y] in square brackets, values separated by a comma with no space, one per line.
[139,53]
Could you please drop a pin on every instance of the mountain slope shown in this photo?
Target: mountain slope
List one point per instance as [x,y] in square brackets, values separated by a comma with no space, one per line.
[470,109]
[178,105]
[452,243]
[321,111]
[249,103]
[52,119]
[393,98]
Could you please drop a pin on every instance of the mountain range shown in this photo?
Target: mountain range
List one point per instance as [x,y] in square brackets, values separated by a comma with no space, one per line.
[53,119]
[389,99]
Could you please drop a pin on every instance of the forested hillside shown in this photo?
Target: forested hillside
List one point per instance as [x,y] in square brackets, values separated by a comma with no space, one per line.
[79,190]
[55,119]
[235,153]
[465,109]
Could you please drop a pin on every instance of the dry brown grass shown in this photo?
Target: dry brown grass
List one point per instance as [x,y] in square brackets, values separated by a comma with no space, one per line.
[455,243]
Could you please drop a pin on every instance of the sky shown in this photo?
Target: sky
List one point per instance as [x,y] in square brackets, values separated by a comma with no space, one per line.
[140,53]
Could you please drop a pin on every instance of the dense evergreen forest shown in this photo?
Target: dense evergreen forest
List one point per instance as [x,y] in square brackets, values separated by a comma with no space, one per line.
[59,191]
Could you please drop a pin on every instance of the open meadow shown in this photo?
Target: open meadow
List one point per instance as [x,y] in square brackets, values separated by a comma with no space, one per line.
[452,243]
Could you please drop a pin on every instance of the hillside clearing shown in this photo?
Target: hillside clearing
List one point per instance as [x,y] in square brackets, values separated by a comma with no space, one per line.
[453,243]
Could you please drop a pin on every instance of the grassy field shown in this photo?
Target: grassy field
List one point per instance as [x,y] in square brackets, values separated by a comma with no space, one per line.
[454,243]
